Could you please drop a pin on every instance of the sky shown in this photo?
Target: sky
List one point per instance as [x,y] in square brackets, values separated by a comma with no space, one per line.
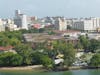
[42,8]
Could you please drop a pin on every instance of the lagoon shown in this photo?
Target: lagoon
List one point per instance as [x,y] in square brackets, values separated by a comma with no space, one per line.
[72,72]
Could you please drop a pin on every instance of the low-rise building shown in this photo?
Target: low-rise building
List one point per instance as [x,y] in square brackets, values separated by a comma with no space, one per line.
[7,49]
[94,36]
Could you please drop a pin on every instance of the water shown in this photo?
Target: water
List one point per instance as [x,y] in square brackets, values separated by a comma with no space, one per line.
[75,72]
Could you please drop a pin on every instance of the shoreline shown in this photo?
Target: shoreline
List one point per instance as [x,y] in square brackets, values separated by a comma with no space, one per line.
[33,68]
[40,68]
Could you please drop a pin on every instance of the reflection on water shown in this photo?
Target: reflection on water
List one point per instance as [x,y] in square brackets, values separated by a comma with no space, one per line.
[77,72]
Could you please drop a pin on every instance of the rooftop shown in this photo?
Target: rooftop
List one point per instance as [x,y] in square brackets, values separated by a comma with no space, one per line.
[6,48]
[66,31]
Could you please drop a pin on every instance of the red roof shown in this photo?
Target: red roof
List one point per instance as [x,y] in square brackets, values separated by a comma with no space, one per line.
[37,26]
[6,48]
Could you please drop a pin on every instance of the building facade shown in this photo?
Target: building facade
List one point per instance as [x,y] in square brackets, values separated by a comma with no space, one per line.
[88,24]
[60,24]
[2,26]
[20,20]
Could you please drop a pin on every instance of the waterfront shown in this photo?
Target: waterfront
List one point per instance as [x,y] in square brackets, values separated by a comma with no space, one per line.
[73,72]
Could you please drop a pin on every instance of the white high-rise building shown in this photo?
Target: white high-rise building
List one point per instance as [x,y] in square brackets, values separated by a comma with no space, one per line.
[88,24]
[24,22]
[20,20]
[84,25]
[60,24]
[96,22]
[17,13]
[2,26]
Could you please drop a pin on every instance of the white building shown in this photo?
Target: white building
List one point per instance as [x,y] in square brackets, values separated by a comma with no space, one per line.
[2,26]
[89,24]
[60,24]
[94,36]
[83,25]
[10,25]
[20,20]
[96,22]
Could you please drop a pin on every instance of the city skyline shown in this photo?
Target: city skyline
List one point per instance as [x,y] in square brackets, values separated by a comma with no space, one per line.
[42,8]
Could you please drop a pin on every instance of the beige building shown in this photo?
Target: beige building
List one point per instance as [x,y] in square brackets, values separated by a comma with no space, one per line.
[2,26]
[60,24]
[10,25]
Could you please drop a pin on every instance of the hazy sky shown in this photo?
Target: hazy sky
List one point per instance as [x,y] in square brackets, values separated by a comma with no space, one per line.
[41,8]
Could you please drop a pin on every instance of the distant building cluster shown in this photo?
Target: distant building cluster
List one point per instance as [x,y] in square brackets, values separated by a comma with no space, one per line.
[7,24]
[22,21]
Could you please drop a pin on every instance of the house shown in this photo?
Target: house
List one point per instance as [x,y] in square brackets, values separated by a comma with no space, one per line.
[7,49]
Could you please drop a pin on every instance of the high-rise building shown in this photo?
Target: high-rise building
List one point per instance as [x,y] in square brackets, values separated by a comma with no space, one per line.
[60,24]
[20,20]
[17,13]
[87,24]
[2,26]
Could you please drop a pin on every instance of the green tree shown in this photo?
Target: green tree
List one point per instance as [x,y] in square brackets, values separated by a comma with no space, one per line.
[4,41]
[10,59]
[51,32]
[25,51]
[78,46]
[10,38]
[46,62]
[14,41]
[41,30]
[58,47]
[95,61]
[66,49]
[40,58]
[16,60]
[69,55]
[36,58]
[85,42]
[5,59]
[94,45]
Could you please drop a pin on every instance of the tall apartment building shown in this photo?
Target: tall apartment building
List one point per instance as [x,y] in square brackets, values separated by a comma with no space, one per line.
[60,24]
[2,26]
[87,24]
[96,22]
[20,20]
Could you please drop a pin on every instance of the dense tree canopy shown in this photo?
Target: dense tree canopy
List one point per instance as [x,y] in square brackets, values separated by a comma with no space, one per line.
[94,45]
[10,59]
[25,51]
[41,54]
[69,55]
[95,61]
[85,42]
